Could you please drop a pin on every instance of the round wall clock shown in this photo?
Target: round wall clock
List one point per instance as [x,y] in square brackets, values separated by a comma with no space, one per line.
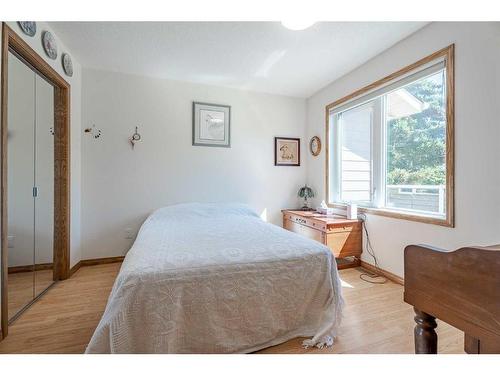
[67,64]
[315,146]
[28,27]
[49,44]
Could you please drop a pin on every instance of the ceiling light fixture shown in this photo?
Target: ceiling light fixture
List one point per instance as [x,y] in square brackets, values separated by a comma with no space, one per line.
[297,25]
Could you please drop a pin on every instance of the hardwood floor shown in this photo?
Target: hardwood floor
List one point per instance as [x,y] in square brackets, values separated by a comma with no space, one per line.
[376,320]
[63,320]
[24,285]
[20,291]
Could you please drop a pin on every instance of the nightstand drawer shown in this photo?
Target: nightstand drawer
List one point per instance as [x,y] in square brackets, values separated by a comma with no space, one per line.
[305,221]
[311,233]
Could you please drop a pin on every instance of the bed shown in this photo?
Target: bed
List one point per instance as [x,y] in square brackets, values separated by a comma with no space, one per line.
[216,278]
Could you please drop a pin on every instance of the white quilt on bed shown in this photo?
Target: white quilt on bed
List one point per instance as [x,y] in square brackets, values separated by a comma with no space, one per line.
[212,278]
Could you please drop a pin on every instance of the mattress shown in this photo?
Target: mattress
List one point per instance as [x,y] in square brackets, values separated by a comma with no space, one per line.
[216,278]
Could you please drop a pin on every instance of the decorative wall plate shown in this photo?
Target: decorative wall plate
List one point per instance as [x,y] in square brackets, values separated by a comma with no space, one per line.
[49,44]
[28,27]
[67,64]
[315,146]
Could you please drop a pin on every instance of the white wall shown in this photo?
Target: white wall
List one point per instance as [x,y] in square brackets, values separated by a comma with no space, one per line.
[122,186]
[477,132]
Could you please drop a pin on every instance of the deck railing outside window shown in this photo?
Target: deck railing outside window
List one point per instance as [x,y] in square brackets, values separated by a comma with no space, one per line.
[426,198]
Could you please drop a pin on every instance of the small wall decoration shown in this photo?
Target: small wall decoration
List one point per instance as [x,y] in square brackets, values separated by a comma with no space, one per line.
[136,137]
[49,45]
[93,131]
[67,64]
[211,125]
[287,151]
[315,146]
[28,27]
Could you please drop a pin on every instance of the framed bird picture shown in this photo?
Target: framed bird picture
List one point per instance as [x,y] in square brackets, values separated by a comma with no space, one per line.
[211,125]
[287,151]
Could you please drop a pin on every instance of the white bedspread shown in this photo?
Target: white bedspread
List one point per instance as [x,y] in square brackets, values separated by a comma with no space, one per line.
[212,278]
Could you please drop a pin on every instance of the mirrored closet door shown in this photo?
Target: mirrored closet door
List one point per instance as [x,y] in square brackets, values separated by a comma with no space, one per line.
[30,179]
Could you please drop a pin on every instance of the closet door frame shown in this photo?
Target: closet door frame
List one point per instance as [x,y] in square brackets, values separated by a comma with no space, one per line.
[11,41]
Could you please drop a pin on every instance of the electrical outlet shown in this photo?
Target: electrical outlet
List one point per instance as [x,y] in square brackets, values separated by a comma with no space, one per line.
[129,234]
[10,242]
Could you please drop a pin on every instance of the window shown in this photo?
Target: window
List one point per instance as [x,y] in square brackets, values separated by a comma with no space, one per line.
[390,146]
[355,153]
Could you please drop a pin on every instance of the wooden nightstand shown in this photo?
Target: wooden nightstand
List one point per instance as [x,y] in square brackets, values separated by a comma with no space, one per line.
[342,236]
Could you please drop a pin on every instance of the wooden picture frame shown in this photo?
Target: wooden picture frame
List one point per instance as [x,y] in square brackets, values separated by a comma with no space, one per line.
[287,152]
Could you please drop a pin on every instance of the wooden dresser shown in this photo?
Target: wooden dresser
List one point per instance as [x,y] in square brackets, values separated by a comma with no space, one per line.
[342,236]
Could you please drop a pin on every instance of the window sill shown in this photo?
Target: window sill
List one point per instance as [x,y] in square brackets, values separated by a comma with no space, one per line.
[445,222]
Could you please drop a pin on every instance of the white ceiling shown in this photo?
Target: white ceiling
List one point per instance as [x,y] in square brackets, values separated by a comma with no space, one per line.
[257,56]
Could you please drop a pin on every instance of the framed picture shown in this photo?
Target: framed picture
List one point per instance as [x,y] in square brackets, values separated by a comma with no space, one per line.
[211,125]
[287,151]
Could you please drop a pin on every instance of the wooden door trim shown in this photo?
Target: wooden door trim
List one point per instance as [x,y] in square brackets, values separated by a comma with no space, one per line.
[10,40]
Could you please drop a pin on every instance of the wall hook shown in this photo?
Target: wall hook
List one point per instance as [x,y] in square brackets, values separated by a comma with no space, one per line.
[136,137]
[93,131]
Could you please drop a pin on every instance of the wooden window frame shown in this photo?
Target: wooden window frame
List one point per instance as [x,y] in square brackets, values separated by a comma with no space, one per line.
[448,54]
[11,41]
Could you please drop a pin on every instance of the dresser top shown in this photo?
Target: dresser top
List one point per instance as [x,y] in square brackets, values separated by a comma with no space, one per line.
[327,219]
